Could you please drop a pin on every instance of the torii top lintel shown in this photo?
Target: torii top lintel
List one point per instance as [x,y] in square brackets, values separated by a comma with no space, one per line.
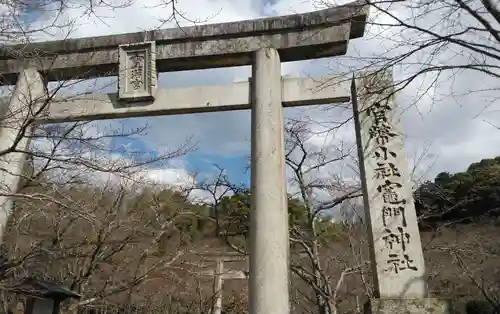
[310,35]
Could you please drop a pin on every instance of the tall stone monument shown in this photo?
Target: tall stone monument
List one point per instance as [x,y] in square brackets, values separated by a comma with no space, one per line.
[396,251]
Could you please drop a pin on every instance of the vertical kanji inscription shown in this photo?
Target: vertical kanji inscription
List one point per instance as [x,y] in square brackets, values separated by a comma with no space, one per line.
[137,75]
[397,257]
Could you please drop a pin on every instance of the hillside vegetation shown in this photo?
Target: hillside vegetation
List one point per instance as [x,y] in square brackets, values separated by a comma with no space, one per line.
[148,251]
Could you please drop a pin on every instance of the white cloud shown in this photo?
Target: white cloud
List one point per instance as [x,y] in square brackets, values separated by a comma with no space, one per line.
[96,149]
[458,135]
[447,110]
[122,16]
[292,7]
[177,177]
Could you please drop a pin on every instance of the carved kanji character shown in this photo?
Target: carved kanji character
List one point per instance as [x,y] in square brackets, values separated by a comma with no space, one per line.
[382,153]
[382,133]
[386,170]
[401,237]
[378,112]
[393,211]
[400,262]
[389,194]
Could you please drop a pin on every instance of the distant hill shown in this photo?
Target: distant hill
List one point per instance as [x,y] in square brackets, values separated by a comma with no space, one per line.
[461,197]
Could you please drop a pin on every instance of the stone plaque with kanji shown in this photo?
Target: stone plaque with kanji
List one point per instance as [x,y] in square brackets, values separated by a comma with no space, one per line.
[137,76]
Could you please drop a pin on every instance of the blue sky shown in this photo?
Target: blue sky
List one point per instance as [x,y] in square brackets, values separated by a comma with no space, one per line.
[235,166]
[447,133]
[202,160]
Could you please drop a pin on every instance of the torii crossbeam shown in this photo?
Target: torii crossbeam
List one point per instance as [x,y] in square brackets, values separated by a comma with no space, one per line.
[137,58]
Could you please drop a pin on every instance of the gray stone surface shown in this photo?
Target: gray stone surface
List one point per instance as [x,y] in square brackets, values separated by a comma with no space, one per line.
[196,99]
[297,37]
[397,258]
[408,306]
[137,79]
[269,272]
[29,90]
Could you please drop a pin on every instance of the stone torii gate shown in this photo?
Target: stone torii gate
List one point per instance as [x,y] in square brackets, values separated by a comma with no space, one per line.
[136,59]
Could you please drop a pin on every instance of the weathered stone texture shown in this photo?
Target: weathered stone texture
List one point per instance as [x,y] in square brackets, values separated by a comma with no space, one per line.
[195,99]
[296,37]
[137,78]
[354,13]
[408,306]
[269,271]
[29,91]
[397,257]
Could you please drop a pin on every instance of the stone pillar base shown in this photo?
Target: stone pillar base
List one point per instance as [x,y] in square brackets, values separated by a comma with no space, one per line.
[408,306]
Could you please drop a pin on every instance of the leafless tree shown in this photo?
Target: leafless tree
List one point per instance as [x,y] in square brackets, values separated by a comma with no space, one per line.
[62,159]
[322,191]
[430,44]
[27,21]
[70,153]
[134,241]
